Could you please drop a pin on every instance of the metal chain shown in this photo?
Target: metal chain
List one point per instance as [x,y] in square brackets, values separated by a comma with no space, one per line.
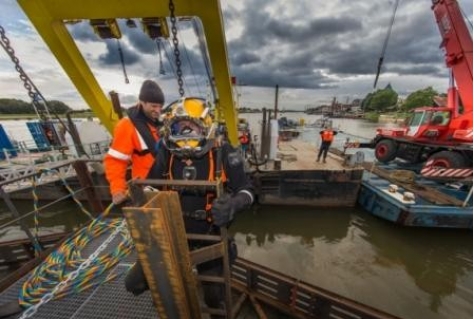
[33,92]
[174,31]
[73,275]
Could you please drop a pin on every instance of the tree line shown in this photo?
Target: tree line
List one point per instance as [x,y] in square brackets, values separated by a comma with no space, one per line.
[15,106]
[386,100]
[380,101]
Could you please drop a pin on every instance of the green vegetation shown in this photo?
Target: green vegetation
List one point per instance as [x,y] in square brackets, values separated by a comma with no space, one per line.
[381,101]
[14,106]
[386,102]
[13,109]
[419,98]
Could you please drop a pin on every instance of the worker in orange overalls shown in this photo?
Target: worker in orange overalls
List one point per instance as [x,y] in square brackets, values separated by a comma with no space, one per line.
[134,141]
[327,136]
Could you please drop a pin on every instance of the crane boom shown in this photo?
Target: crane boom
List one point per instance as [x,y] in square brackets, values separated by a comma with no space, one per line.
[457,41]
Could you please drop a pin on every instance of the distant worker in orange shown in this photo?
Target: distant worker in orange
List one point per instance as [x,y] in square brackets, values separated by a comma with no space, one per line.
[327,136]
[134,141]
[244,140]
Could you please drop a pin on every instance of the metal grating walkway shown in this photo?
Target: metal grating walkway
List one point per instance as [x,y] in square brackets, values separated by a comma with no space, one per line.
[108,300]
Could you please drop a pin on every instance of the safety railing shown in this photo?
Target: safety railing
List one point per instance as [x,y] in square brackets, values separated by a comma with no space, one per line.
[24,228]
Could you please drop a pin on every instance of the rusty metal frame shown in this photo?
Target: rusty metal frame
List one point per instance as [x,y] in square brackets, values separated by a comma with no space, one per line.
[158,230]
[297,299]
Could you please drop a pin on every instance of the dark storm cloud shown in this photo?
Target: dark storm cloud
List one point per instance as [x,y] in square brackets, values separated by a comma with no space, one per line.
[243,58]
[140,41]
[289,52]
[312,51]
[314,30]
[296,48]
[83,32]
[112,55]
[417,70]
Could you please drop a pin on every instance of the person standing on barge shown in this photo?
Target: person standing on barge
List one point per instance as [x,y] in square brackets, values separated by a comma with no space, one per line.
[327,136]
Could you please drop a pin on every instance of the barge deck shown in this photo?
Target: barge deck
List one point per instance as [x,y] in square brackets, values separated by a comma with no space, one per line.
[296,179]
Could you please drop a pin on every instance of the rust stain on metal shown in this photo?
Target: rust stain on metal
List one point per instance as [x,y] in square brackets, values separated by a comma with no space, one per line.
[157,229]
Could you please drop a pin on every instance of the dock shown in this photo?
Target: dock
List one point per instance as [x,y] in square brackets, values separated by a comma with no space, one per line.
[295,178]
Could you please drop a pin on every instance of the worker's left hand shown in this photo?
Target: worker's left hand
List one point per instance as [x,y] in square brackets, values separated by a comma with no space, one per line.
[222,210]
[225,207]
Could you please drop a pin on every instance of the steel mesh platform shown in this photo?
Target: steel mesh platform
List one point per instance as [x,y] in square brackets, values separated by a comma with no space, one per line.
[108,300]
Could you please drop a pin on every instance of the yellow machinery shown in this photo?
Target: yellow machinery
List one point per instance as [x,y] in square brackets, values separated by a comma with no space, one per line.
[49,18]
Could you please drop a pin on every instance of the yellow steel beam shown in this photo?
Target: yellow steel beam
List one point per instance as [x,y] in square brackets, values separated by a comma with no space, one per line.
[48,15]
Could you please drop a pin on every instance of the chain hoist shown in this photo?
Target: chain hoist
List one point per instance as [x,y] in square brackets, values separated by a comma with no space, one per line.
[174,31]
[33,92]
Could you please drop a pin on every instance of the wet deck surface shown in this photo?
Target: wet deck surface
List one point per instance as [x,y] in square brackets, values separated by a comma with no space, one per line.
[300,155]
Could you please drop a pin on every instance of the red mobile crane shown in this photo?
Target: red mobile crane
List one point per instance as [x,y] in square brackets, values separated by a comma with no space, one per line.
[442,136]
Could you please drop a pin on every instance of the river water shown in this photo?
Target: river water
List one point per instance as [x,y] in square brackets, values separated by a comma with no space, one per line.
[413,273]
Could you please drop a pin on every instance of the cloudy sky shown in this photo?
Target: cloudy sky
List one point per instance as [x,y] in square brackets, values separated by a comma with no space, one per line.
[313,50]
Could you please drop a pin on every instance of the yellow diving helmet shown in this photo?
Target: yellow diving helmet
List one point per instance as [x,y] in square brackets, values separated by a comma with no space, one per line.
[189,130]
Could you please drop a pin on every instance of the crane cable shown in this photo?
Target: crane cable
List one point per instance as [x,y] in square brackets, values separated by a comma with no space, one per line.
[122,61]
[379,65]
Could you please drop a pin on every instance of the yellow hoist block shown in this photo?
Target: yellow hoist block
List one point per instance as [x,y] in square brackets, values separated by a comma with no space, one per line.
[156,27]
[106,28]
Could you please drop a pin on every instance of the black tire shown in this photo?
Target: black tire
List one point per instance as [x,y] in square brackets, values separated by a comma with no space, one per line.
[448,159]
[385,150]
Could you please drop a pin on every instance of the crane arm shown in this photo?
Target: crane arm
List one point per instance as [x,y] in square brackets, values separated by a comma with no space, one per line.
[457,42]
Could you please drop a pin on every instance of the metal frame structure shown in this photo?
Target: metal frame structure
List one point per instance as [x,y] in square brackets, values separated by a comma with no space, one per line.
[49,16]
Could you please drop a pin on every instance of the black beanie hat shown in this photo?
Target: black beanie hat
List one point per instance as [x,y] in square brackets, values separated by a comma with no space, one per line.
[151,92]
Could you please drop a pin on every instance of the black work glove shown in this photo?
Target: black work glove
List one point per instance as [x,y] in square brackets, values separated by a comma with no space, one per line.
[225,207]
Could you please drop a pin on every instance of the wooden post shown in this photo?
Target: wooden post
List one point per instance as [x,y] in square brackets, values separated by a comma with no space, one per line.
[276,103]
[116,103]
[264,136]
[86,182]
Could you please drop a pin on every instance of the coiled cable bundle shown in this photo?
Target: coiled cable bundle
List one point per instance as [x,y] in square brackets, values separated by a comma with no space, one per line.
[66,271]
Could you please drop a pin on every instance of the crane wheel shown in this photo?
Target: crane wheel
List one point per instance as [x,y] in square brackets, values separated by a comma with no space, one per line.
[386,150]
[448,159]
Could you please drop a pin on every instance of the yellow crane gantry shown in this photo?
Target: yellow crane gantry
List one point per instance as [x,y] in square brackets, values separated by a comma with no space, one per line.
[50,16]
